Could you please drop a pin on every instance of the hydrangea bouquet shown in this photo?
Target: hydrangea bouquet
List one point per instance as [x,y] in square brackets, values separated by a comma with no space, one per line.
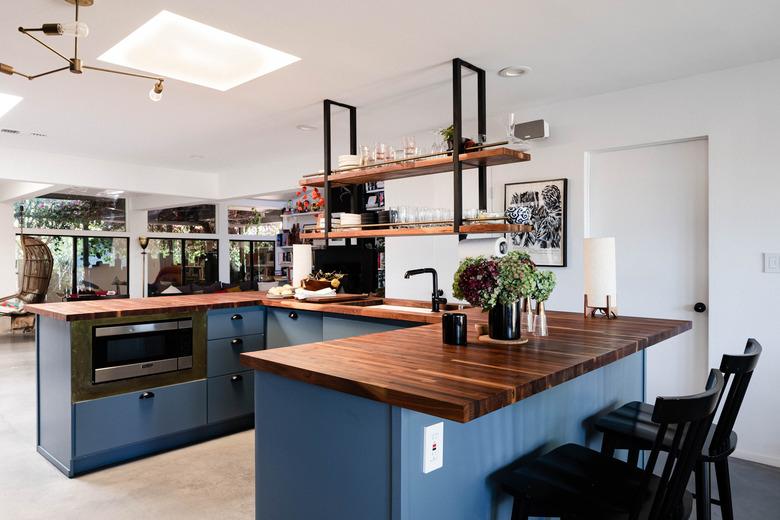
[489,281]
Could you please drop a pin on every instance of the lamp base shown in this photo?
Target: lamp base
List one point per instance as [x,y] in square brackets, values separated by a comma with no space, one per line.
[608,312]
[82,3]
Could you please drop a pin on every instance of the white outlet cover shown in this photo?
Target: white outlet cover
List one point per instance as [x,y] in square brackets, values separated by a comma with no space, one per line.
[433,447]
[772,262]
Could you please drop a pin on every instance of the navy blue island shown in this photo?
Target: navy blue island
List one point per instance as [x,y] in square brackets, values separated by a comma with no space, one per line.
[393,424]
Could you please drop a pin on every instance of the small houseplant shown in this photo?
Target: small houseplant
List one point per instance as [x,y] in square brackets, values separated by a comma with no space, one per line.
[448,134]
[497,284]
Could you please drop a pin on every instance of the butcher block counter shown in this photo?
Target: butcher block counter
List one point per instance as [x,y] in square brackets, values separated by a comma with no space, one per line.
[413,369]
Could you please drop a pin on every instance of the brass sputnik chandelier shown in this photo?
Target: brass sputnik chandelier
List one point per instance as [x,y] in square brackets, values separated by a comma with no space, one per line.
[77,30]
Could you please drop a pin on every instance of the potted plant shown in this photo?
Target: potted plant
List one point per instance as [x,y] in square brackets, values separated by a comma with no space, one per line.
[497,284]
[448,134]
[545,283]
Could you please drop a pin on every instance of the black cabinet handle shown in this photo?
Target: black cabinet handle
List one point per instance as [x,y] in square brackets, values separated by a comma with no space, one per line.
[293,315]
[236,379]
[236,317]
[237,342]
[146,395]
[700,307]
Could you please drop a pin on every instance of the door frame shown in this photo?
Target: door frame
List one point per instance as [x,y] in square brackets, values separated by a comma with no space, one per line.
[587,174]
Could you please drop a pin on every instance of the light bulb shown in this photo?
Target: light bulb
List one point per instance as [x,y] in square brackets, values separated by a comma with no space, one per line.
[77,29]
[157,91]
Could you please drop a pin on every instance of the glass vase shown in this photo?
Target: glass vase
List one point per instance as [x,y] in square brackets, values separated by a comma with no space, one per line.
[540,320]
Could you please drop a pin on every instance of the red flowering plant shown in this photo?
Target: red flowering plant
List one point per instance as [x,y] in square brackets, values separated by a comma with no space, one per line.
[308,201]
[487,282]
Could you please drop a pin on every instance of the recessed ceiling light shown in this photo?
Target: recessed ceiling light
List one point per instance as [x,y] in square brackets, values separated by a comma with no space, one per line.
[197,156]
[306,128]
[177,47]
[7,102]
[514,72]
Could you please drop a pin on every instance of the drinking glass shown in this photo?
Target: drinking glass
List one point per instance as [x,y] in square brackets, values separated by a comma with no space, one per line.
[365,155]
[380,150]
[390,154]
[403,214]
[410,145]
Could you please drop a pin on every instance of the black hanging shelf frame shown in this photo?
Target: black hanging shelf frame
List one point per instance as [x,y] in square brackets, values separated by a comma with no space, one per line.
[358,205]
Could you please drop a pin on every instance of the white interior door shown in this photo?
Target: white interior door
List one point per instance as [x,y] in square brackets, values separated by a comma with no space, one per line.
[653,200]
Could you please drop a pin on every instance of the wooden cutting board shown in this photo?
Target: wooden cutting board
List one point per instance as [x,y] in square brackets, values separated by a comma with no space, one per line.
[336,298]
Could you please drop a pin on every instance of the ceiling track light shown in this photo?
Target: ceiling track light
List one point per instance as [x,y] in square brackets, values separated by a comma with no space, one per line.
[75,29]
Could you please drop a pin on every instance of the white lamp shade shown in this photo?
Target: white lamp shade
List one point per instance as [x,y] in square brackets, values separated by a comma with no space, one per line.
[600,271]
[301,263]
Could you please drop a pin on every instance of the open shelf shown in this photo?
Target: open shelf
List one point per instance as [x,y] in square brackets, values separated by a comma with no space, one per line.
[418,231]
[412,168]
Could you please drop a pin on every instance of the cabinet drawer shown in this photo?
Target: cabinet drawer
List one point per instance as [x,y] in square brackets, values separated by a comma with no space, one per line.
[123,419]
[224,354]
[231,396]
[289,327]
[230,323]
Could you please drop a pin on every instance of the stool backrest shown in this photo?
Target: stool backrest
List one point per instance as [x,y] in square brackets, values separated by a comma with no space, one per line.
[740,367]
[691,417]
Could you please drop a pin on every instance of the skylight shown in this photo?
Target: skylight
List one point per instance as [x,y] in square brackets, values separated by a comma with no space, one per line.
[7,102]
[179,48]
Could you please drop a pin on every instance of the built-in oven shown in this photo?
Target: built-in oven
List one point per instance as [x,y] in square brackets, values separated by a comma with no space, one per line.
[140,349]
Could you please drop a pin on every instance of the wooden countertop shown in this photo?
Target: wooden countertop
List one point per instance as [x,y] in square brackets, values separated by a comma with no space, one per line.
[413,369]
[96,309]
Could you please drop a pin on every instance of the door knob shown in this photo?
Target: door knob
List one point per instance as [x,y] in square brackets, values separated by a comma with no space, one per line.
[700,307]
[146,395]
[293,315]
[236,317]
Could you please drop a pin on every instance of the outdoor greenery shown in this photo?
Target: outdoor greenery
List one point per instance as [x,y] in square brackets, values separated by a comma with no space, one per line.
[60,212]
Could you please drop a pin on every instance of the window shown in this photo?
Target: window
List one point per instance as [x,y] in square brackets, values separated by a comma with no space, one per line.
[200,219]
[188,265]
[93,265]
[251,261]
[61,211]
[250,221]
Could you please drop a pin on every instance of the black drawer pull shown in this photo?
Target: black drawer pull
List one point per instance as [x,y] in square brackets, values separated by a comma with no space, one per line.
[236,317]
[146,395]
[293,315]
[237,342]
[236,379]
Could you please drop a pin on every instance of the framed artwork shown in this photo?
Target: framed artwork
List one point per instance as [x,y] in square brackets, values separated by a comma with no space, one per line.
[542,205]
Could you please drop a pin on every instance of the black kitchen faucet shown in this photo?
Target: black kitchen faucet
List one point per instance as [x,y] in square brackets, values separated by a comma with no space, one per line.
[436,297]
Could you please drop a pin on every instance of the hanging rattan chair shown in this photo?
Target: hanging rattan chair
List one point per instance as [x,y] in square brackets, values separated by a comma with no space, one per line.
[36,276]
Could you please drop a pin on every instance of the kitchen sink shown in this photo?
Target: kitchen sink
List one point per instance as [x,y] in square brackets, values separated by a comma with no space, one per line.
[421,307]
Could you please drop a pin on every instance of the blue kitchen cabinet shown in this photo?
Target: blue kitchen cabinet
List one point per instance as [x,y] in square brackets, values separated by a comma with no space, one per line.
[230,396]
[119,420]
[287,327]
[235,322]
[231,332]
[340,326]
[224,355]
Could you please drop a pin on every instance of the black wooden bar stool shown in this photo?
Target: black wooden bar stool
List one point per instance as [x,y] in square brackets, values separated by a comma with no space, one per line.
[575,482]
[632,427]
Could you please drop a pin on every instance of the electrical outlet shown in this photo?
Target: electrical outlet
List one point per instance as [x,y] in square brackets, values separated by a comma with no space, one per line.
[772,262]
[433,449]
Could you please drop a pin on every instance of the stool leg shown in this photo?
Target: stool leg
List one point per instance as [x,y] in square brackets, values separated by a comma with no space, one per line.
[607,445]
[724,489]
[519,510]
[633,457]
[702,490]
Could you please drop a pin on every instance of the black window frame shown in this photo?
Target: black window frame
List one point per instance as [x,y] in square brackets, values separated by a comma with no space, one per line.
[74,286]
[254,277]
[183,257]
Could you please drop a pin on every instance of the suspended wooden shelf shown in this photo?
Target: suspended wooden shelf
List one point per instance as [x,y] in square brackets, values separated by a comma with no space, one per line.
[412,168]
[417,231]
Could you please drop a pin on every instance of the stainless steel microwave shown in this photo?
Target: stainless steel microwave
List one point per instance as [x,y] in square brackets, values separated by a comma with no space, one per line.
[141,349]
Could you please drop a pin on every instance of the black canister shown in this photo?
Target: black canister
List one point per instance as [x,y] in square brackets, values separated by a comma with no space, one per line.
[454,328]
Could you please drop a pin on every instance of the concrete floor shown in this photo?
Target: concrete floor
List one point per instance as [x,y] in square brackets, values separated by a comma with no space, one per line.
[211,480]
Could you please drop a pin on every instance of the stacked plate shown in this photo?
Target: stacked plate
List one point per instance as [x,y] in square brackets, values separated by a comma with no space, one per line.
[351,220]
[348,161]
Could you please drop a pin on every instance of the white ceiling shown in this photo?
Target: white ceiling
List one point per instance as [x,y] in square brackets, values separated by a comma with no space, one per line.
[389,58]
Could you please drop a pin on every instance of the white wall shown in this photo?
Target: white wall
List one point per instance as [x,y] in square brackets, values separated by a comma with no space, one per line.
[8,280]
[739,112]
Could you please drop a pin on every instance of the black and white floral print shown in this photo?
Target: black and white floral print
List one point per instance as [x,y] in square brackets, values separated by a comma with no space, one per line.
[540,205]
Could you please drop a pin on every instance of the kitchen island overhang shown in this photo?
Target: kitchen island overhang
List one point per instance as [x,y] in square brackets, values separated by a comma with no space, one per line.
[342,422]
